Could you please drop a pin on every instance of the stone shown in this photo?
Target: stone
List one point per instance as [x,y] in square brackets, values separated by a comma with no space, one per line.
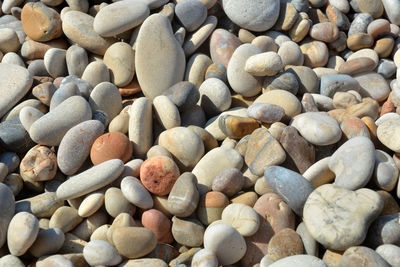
[9,42]
[229,182]
[22,232]
[15,83]
[108,146]
[54,260]
[115,203]
[265,112]
[205,257]
[219,234]
[191,14]
[353,163]
[48,241]
[40,22]
[366,52]
[299,260]
[222,46]
[209,141]
[57,122]
[362,255]
[357,65]
[95,178]
[263,150]
[123,236]
[301,27]
[42,205]
[385,173]
[166,112]
[120,59]
[321,128]
[284,243]
[84,87]
[77,60]
[11,260]
[392,9]
[136,193]
[158,174]
[62,93]
[384,230]
[159,224]
[129,16]
[384,46]
[14,137]
[359,41]
[307,79]
[309,243]
[91,203]
[386,133]
[237,127]
[241,217]
[326,32]
[7,207]
[95,73]
[380,91]
[105,96]
[197,38]
[76,144]
[141,126]
[211,206]
[264,64]
[78,27]
[186,154]
[390,253]
[291,54]
[284,182]
[144,263]
[99,252]
[183,94]
[282,98]
[214,96]
[39,164]
[65,218]
[360,23]
[187,231]
[315,53]
[184,196]
[252,16]
[327,201]
[241,81]
[158,58]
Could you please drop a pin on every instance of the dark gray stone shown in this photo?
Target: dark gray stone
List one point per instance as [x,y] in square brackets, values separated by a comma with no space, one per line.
[14,137]
[183,94]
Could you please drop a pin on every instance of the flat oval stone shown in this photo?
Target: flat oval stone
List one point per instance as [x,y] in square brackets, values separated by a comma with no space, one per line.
[65,218]
[254,16]
[374,85]
[75,145]
[219,234]
[159,224]
[310,245]
[186,154]
[263,150]
[112,145]
[120,59]
[222,46]
[77,60]
[161,64]
[357,65]
[7,208]
[265,112]
[51,128]
[299,260]
[184,196]
[353,163]
[187,231]
[387,134]
[213,163]
[237,127]
[123,236]
[166,112]
[204,257]
[95,73]
[242,82]
[95,178]
[264,64]
[99,252]
[362,255]
[329,210]
[78,27]
[115,203]
[321,128]
[119,17]
[136,193]
[141,126]
[229,182]
[22,232]
[15,83]
[42,205]
[284,182]
[366,52]
[106,97]
[197,38]
[241,217]
[48,241]
[326,32]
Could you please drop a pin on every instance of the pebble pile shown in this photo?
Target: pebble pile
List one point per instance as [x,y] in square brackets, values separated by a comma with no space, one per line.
[200,133]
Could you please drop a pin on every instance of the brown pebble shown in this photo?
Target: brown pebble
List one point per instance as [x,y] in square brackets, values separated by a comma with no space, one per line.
[114,145]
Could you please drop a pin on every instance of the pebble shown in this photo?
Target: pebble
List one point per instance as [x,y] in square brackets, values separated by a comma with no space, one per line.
[291,54]
[385,173]
[53,261]
[11,260]
[362,255]
[241,81]
[184,196]
[123,236]
[214,96]
[14,137]
[65,218]
[380,89]
[316,121]
[264,64]
[229,182]
[115,203]
[327,201]
[282,98]
[95,178]
[386,133]
[191,14]
[265,112]
[99,252]
[383,230]
[48,241]
[327,32]
[204,257]
[158,58]
[211,206]
[219,234]
[222,45]
[109,146]
[237,127]
[284,182]
[136,193]
[76,144]
[241,217]
[159,224]
[299,260]
[120,59]
[283,244]
[390,253]
[22,232]
[39,164]
[344,163]
[187,231]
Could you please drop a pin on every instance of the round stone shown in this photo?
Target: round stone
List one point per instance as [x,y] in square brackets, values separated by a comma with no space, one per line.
[362,255]
[299,260]
[316,54]
[265,112]
[205,257]
[99,252]
[284,243]
[159,224]
[22,233]
[136,193]
[120,59]
[191,14]
[115,203]
[387,134]
[264,64]
[222,45]
[291,54]
[106,97]
[48,241]
[326,32]
[187,231]
[184,196]
[241,217]
[39,164]
[254,16]
[229,182]
[219,234]
[282,98]
[108,146]
[9,42]
[123,236]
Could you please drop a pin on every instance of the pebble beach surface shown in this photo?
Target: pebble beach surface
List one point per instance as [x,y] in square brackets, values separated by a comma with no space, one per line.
[200,133]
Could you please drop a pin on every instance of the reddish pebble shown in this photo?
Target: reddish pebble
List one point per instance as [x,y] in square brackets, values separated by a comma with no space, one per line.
[159,224]
[353,126]
[387,107]
[114,145]
[158,175]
